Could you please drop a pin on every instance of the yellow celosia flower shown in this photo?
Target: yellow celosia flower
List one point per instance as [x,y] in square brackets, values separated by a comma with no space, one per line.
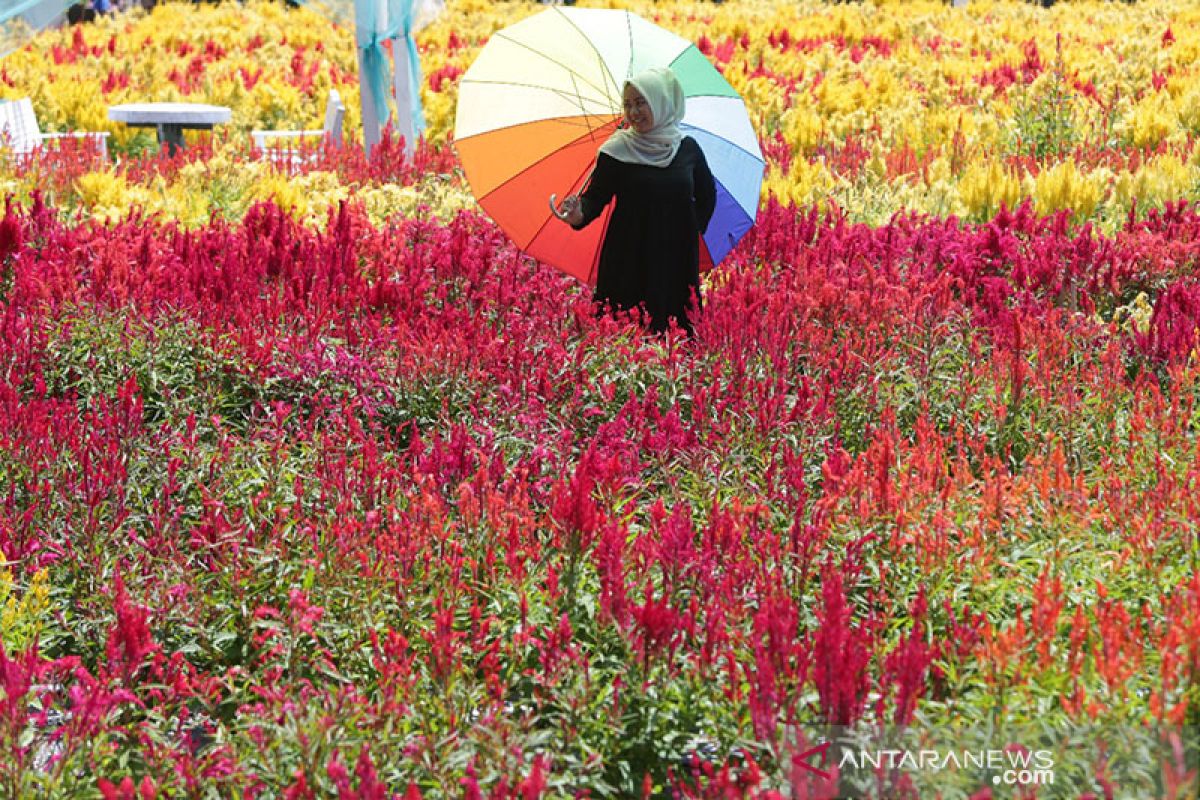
[109,197]
[1135,317]
[434,196]
[1188,110]
[1161,180]
[1152,121]
[22,615]
[805,182]
[802,129]
[938,97]
[1064,186]
[985,187]
[307,197]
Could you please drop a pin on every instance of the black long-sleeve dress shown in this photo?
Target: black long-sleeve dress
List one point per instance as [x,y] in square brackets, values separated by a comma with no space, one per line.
[651,251]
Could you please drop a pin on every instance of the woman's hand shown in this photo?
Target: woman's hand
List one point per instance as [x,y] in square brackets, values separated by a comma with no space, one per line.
[570,212]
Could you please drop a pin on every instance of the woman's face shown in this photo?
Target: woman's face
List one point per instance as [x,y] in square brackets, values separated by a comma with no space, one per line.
[637,111]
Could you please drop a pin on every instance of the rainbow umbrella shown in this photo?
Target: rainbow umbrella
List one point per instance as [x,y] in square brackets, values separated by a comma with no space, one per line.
[545,92]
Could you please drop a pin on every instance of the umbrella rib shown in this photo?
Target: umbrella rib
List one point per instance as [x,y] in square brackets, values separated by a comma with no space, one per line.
[583,111]
[584,114]
[566,121]
[554,61]
[561,93]
[739,210]
[730,142]
[537,233]
[629,31]
[611,90]
[499,186]
[542,227]
[603,219]
[714,97]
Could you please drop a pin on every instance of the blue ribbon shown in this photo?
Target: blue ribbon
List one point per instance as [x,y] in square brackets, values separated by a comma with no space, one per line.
[375,61]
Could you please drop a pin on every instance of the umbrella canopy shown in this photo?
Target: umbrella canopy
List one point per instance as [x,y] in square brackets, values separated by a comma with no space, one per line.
[545,93]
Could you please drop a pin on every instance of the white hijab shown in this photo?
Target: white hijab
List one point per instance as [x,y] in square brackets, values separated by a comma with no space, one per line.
[658,146]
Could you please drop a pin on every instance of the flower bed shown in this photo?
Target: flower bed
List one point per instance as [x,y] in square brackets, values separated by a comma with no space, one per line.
[310,491]
[1091,108]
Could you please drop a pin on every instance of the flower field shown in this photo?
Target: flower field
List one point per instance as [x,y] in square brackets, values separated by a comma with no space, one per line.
[312,485]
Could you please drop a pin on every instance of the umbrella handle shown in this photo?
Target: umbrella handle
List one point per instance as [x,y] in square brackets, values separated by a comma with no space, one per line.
[554,207]
[563,215]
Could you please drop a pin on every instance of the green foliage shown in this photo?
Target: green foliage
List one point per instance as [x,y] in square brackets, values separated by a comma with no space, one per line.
[175,366]
[142,143]
[1043,123]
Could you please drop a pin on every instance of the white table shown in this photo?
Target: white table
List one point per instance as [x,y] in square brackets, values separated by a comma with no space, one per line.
[170,119]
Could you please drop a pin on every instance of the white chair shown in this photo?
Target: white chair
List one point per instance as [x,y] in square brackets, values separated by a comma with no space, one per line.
[277,143]
[20,132]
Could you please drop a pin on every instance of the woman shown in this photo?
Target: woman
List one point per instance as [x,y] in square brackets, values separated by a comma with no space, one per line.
[665,196]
